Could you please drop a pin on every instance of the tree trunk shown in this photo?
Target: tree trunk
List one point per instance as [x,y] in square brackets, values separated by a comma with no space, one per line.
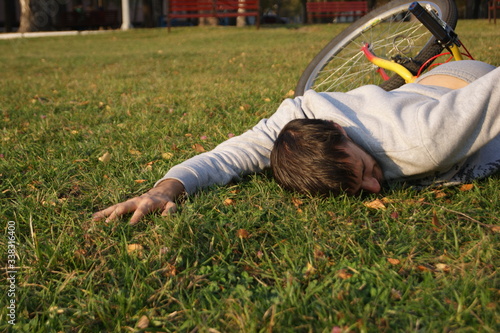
[25,21]
[305,19]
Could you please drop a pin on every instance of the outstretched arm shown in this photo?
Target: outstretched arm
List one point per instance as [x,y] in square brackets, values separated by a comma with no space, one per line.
[241,155]
[235,157]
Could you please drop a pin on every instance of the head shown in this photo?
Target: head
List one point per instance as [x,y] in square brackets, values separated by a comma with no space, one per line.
[315,156]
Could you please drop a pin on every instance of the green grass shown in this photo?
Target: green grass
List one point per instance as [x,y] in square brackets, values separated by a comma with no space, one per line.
[423,264]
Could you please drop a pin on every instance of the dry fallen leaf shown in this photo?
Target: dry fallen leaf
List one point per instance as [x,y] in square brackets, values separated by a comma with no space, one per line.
[439,194]
[105,157]
[495,228]
[296,202]
[318,253]
[466,187]
[491,305]
[198,148]
[143,322]
[422,268]
[134,248]
[139,181]
[435,221]
[442,267]
[387,200]
[56,309]
[344,274]
[245,107]
[48,203]
[169,270]
[80,253]
[393,261]
[134,152]
[395,294]
[375,204]
[229,202]
[309,269]
[242,233]
[167,156]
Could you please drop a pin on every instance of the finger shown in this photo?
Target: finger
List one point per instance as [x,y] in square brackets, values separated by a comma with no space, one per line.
[97,216]
[122,209]
[169,209]
[115,211]
[138,214]
[144,208]
[113,216]
[103,213]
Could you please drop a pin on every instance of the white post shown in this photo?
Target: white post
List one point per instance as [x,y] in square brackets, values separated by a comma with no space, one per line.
[240,20]
[126,15]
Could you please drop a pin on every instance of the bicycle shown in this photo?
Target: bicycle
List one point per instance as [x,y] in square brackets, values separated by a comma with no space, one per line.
[406,35]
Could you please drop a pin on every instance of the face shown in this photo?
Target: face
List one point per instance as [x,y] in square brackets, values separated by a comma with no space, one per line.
[367,172]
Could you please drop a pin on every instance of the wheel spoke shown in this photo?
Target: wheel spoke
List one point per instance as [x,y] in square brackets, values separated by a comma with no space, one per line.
[392,32]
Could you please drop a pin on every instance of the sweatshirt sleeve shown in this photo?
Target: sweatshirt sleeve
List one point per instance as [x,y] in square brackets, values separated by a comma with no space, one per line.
[238,156]
[461,122]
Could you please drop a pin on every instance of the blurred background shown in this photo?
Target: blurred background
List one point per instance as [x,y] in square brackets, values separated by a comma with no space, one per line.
[60,15]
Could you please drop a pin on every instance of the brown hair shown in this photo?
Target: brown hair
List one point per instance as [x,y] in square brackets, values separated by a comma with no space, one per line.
[309,157]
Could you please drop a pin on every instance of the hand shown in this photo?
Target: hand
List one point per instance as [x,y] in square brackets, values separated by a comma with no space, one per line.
[159,198]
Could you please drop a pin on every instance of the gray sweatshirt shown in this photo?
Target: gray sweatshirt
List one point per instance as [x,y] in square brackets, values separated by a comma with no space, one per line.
[418,134]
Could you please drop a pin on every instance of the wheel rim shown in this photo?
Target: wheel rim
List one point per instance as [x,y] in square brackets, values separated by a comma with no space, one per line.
[394,34]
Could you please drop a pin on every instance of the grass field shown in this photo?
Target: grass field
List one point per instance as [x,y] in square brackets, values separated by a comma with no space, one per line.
[247,257]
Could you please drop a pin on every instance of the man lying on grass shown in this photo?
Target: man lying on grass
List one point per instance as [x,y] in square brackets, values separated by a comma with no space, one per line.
[443,129]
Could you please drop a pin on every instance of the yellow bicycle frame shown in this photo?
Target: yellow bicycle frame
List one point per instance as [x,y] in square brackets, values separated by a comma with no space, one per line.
[397,68]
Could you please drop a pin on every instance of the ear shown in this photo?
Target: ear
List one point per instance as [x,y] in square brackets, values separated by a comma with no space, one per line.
[370,184]
[341,129]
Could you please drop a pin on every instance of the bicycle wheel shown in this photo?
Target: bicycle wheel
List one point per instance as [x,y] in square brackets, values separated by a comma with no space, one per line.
[392,32]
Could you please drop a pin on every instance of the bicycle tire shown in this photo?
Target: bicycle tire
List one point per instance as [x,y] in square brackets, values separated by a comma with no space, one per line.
[392,34]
